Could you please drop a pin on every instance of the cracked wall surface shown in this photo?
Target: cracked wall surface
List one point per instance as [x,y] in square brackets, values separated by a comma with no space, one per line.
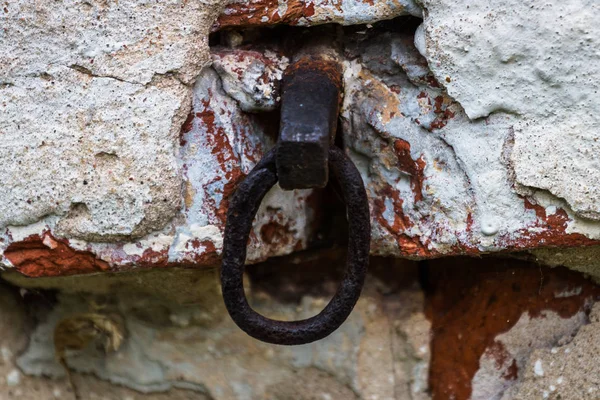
[536,62]
[123,144]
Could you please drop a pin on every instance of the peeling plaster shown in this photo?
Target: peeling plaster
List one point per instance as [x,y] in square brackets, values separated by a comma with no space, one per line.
[538,62]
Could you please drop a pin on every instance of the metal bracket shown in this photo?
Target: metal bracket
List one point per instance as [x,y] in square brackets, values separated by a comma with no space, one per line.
[311,93]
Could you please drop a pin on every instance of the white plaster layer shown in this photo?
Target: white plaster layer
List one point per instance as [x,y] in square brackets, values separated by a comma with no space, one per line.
[538,61]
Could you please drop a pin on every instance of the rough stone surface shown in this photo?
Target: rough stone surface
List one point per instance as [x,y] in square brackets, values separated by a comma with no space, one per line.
[536,61]
[439,181]
[124,136]
[503,364]
[91,110]
[119,172]
[489,315]
[14,384]
[567,371]
[176,337]
[458,155]
[586,259]
[113,178]
[479,325]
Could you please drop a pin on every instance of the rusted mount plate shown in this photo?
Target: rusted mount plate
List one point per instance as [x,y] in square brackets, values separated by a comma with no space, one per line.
[310,102]
[242,209]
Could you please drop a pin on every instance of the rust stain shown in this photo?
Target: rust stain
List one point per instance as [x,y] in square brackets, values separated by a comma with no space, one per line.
[188,196]
[408,246]
[276,233]
[386,101]
[228,190]
[471,301]
[151,258]
[441,107]
[46,255]
[208,256]
[187,127]
[414,168]
[549,231]
[512,373]
[222,149]
[199,253]
[319,69]
[552,233]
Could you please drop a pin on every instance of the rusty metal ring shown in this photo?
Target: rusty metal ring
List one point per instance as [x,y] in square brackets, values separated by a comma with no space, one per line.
[242,209]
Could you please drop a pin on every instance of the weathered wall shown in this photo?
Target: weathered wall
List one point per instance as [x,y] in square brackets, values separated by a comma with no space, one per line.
[121,144]
[474,125]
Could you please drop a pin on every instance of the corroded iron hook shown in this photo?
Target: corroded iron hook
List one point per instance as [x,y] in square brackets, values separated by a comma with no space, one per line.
[303,158]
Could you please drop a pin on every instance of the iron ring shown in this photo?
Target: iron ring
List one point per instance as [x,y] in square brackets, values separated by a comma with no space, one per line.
[242,209]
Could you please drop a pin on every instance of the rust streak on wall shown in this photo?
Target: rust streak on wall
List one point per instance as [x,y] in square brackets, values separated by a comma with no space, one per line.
[266,12]
[412,167]
[47,256]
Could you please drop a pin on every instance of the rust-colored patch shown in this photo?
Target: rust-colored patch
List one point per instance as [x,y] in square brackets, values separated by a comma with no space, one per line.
[512,373]
[412,167]
[551,232]
[266,13]
[276,233]
[45,255]
[187,127]
[315,70]
[188,195]
[222,149]
[441,107]
[471,301]
[432,81]
[151,258]
[388,103]
[198,254]
[207,256]
[409,246]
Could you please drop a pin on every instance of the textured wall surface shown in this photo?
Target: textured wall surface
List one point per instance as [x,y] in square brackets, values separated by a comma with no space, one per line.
[105,162]
[122,145]
[164,334]
[126,126]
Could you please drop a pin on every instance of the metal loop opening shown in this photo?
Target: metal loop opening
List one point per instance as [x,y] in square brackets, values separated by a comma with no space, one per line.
[242,209]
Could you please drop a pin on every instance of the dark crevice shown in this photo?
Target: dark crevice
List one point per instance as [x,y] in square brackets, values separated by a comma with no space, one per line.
[318,273]
[288,36]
